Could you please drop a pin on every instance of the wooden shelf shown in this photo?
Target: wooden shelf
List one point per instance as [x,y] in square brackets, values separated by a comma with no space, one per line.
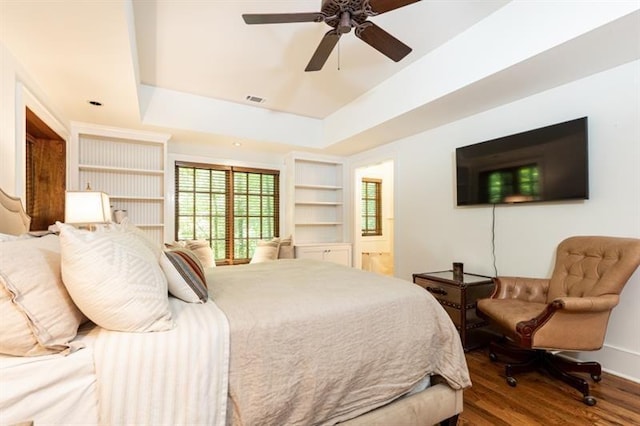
[316,198]
[120,169]
[133,197]
[319,203]
[324,187]
[318,223]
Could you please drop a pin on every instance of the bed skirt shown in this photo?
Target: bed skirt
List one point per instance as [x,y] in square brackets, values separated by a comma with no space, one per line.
[433,405]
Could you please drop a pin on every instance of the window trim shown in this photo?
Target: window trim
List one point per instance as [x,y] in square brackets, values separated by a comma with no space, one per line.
[377,231]
[229,203]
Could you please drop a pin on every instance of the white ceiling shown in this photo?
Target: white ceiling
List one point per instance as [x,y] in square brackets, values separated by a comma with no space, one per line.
[205,48]
[130,55]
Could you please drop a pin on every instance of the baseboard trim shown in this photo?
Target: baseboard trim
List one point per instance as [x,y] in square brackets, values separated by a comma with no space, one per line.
[618,361]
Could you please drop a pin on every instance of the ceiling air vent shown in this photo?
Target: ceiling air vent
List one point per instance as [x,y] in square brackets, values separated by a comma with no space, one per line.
[255,99]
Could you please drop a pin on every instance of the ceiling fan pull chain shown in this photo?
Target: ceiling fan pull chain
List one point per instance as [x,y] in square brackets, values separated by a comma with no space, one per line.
[338,54]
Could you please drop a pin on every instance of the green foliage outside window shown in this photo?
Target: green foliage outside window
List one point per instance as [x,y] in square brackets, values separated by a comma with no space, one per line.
[371,207]
[230,208]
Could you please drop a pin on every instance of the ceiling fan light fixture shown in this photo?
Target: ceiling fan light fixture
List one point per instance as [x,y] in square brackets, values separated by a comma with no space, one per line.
[345,23]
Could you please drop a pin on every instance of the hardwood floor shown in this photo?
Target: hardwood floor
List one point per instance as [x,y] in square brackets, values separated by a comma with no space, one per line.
[541,400]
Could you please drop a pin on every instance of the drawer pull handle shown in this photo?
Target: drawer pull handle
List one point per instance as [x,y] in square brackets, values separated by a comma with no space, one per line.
[437,290]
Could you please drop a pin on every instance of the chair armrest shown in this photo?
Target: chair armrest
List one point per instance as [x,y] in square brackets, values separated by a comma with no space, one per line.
[587,304]
[527,289]
[526,329]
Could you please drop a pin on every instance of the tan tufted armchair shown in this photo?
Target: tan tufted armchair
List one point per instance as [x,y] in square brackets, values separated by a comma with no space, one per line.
[568,312]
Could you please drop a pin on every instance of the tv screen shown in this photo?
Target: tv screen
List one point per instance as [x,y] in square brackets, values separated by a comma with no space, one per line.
[545,164]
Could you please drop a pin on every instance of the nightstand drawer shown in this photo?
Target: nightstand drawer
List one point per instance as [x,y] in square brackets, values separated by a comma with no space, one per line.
[441,291]
[458,296]
[455,314]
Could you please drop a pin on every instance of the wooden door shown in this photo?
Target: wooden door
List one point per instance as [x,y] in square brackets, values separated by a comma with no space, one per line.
[46,173]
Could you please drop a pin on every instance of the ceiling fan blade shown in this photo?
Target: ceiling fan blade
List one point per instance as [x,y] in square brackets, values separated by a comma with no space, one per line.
[323,51]
[382,6]
[281,18]
[382,41]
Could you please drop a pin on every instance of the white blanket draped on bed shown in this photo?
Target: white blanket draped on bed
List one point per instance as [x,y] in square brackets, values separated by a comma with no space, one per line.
[317,343]
[161,378]
[166,378]
[50,389]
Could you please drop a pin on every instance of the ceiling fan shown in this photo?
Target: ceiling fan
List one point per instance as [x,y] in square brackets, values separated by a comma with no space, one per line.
[343,15]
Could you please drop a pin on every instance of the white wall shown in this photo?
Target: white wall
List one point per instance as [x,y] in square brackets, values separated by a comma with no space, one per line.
[431,232]
[17,91]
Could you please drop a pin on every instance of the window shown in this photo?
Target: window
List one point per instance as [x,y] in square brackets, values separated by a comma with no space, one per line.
[371,207]
[231,207]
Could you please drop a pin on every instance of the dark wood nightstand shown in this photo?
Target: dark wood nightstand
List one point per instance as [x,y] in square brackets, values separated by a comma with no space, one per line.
[459,300]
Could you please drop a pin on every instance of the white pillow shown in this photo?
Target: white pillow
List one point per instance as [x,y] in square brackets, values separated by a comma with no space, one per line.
[285,251]
[203,252]
[114,278]
[37,315]
[266,251]
[185,275]
[127,226]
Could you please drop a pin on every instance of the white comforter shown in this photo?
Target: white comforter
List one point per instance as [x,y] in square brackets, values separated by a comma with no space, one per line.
[162,378]
[317,343]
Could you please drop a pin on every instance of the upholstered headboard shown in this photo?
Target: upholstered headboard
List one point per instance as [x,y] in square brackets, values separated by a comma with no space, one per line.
[13,219]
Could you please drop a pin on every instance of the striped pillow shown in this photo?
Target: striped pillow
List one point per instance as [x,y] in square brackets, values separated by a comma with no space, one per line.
[200,248]
[185,275]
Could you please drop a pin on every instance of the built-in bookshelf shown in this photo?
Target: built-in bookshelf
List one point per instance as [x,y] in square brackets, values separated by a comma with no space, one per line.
[129,166]
[317,199]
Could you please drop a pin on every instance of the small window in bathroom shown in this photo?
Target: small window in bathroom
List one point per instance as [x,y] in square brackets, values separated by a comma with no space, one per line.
[371,207]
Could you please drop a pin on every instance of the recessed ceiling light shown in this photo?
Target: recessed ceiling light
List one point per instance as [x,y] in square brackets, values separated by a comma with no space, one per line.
[237,144]
[256,99]
[95,103]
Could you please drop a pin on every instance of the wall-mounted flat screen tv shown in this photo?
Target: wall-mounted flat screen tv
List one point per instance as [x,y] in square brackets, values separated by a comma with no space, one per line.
[545,164]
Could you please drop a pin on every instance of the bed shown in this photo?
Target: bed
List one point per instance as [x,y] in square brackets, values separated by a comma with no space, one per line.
[287,342]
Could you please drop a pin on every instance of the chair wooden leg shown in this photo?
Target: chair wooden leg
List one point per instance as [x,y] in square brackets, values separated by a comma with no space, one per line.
[554,366]
[538,359]
[593,368]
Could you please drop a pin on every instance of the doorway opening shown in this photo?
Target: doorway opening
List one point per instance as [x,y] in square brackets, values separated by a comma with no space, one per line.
[46,169]
[373,251]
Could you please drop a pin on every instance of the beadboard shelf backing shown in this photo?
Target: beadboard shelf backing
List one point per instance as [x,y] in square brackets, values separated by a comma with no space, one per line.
[128,165]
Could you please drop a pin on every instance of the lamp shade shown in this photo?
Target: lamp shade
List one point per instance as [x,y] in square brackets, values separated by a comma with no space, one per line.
[86,207]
